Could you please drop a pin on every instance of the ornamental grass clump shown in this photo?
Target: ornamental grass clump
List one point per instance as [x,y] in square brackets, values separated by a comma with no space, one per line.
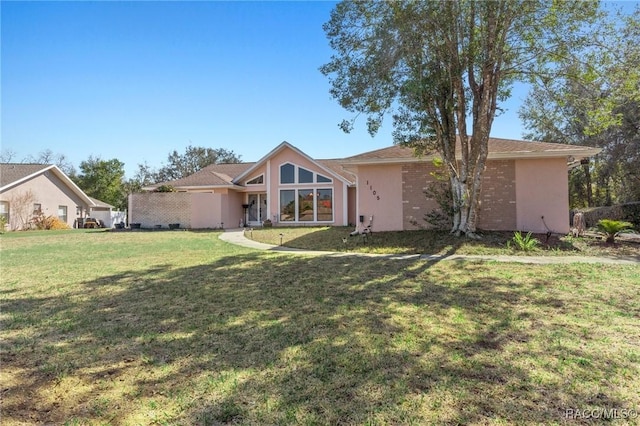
[612,228]
[524,243]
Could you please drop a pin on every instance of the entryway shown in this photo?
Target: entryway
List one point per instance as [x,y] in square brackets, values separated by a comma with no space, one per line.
[257,211]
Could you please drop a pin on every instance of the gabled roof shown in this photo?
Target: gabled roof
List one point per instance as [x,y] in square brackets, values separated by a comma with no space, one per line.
[213,175]
[498,149]
[100,204]
[340,176]
[14,174]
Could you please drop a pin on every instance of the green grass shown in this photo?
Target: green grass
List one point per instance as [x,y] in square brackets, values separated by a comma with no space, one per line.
[434,242]
[180,328]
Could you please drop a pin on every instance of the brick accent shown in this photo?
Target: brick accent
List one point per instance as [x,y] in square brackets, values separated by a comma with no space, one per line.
[498,195]
[415,204]
[160,208]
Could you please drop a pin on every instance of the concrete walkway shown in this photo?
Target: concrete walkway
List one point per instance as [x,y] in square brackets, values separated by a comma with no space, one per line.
[236,236]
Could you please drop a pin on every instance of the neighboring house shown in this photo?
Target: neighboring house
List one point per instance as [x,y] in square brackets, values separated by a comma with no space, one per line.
[525,187]
[28,189]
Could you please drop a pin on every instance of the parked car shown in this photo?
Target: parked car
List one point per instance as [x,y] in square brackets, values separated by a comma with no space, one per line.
[91,222]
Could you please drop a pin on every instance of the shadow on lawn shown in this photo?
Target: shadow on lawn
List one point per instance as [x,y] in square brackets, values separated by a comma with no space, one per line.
[410,242]
[274,339]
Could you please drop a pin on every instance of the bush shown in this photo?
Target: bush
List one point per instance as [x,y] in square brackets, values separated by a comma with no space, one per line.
[526,243]
[42,222]
[613,228]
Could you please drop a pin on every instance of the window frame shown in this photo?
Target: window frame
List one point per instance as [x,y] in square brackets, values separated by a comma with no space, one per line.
[65,216]
[296,176]
[296,206]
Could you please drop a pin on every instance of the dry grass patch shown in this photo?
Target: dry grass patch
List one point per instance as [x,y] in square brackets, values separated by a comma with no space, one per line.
[180,328]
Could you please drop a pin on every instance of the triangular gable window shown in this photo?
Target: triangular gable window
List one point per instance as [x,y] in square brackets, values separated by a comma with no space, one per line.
[322,179]
[259,180]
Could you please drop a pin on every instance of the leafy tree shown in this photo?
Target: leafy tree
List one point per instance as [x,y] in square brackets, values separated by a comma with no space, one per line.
[434,64]
[193,159]
[103,179]
[595,101]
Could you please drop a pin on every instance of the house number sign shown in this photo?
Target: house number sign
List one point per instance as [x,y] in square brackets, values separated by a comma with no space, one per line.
[373,191]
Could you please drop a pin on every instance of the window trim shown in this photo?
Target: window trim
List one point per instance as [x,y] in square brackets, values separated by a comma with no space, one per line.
[296,175]
[296,198]
[66,213]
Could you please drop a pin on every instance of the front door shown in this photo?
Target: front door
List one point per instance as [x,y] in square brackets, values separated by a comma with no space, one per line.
[257,210]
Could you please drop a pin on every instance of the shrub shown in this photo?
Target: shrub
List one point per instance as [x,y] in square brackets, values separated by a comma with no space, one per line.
[524,243]
[42,222]
[165,188]
[613,228]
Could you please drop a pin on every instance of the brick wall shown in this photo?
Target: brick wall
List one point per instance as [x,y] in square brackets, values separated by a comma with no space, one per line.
[498,195]
[160,208]
[415,204]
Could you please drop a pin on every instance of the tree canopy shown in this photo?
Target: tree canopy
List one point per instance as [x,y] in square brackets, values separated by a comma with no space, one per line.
[595,100]
[433,65]
[103,180]
[193,159]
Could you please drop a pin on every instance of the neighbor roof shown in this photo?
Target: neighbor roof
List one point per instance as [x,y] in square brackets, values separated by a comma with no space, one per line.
[13,174]
[498,149]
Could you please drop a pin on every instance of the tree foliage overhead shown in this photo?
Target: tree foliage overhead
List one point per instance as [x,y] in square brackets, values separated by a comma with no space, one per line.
[192,160]
[434,64]
[103,180]
[595,100]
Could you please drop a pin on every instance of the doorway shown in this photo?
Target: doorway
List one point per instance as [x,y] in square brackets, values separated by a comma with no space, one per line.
[257,211]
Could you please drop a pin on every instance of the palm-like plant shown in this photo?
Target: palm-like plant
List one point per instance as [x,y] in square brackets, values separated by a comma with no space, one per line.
[613,228]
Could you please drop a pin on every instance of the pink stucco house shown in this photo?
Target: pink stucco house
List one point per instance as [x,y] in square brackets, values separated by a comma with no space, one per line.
[26,189]
[525,188]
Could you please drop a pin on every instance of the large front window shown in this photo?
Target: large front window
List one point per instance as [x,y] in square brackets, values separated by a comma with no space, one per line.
[306,205]
[288,205]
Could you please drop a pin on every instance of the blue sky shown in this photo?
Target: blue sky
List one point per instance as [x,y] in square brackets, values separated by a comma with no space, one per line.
[136,80]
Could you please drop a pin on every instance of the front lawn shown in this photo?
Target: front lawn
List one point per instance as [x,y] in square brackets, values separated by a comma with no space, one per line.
[434,242]
[181,328]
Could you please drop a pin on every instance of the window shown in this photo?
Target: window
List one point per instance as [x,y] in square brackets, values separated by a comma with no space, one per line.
[290,173]
[324,205]
[304,176]
[306,205]
[287,173]
[256,181]
[287,205]
[4,210]
[62,213]
[37,208]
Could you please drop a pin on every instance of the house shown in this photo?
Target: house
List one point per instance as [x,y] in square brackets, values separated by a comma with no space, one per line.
[28,189]
[286,186]
[525,187]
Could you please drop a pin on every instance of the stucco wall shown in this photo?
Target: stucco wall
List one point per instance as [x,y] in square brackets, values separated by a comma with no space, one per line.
[514,195]
[289,156]
[50,192]
[380,195]
[542,189]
